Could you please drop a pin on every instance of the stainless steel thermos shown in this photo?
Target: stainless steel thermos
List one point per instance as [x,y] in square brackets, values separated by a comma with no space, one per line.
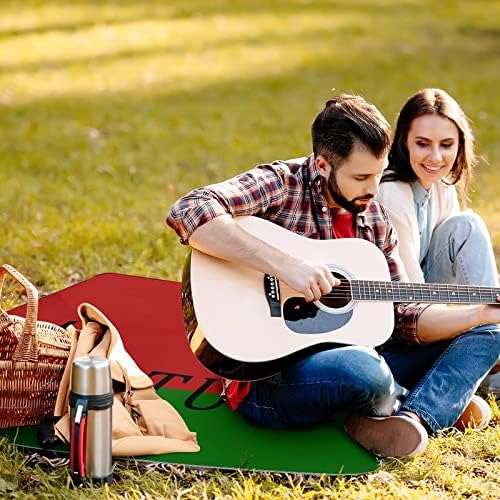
[91,400]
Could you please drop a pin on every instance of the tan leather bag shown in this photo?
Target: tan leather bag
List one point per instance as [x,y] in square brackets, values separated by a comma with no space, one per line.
[143,423]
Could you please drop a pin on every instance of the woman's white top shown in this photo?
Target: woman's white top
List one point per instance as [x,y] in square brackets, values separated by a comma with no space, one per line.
[398,199]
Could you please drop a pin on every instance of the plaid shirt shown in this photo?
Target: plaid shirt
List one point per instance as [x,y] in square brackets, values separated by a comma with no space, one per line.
[289,193]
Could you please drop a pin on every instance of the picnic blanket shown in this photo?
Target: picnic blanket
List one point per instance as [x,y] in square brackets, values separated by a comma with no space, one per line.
[157,341]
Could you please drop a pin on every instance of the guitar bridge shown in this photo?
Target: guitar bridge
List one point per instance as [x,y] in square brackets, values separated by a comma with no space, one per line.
[272,291]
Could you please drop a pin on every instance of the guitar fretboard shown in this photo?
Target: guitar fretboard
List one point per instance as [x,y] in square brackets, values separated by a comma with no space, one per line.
[423,292]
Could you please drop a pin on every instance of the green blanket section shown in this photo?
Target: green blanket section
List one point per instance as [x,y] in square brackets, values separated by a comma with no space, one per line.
[228,441]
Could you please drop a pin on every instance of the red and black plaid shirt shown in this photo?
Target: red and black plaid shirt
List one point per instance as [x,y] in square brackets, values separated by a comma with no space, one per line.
[289,193]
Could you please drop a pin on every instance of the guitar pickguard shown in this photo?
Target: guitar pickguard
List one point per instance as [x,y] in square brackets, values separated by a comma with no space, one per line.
[305,317]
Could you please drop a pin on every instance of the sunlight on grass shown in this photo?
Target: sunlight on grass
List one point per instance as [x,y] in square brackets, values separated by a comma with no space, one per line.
[189,52]
[157,36]
[172,54]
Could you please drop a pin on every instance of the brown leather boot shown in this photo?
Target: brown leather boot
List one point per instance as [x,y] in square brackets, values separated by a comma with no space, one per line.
[477,415]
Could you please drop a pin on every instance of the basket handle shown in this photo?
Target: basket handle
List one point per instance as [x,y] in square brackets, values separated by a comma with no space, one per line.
[26,349]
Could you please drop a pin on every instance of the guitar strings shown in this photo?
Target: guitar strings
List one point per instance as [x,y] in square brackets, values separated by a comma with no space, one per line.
[375,288]
[395,297]
[465,293]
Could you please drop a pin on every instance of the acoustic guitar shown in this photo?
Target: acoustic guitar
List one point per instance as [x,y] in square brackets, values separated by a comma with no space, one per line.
[245,325]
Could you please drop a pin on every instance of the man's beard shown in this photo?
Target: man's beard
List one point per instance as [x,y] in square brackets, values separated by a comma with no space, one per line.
[342,201]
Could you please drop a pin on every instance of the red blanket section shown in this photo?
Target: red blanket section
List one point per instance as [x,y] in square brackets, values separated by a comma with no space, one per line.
[148,315]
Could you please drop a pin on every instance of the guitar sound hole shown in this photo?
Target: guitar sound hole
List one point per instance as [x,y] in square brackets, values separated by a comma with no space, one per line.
[340,295]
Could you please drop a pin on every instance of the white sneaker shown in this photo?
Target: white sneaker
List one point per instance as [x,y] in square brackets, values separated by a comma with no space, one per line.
[395,436]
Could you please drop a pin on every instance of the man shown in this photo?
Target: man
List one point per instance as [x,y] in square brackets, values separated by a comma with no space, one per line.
[330,195]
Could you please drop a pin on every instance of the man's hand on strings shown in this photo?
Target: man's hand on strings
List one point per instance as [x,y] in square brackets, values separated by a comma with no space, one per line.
[311,279]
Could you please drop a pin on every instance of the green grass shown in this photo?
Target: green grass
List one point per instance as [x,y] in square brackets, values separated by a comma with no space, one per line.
[456,465]
[111,110]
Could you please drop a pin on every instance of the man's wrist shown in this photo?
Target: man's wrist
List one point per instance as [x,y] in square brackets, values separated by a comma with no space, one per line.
[280,262]
[480,316]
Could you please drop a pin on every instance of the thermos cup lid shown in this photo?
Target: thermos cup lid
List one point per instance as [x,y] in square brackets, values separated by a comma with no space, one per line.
[91,375]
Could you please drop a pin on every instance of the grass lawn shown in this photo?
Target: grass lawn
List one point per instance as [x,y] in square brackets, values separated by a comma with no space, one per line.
[111,110]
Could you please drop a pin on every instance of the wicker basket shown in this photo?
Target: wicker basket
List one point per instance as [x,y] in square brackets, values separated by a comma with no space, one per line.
[33,355]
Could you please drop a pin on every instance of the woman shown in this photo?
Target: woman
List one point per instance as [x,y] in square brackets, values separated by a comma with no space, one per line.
[431,156]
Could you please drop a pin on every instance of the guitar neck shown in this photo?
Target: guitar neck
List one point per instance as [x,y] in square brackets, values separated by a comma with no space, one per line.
[423,292]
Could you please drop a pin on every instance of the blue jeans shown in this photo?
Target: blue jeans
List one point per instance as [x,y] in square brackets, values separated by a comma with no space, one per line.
[441,379]
[314,389]
[461,253]
[443,376]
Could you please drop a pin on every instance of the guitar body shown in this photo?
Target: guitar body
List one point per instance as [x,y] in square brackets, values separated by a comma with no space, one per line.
[238,332]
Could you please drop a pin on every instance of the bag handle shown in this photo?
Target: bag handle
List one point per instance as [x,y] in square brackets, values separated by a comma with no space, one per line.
[26,349]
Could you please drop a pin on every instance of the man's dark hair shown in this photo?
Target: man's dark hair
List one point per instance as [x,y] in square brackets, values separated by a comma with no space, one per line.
[345,121]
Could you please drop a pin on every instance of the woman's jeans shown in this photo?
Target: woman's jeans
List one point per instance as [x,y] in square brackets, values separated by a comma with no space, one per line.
[460,253]
[443,376]
[439,378]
